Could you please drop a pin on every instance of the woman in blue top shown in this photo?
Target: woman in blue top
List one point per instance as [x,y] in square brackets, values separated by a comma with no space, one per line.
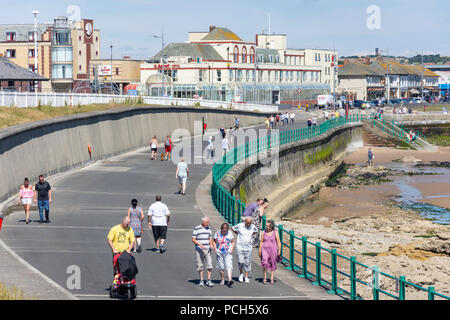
[224,241]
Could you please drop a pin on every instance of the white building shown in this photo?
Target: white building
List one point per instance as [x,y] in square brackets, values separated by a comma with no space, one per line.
[219,65]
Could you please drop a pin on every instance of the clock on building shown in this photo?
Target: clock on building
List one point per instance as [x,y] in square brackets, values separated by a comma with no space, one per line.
[88,29]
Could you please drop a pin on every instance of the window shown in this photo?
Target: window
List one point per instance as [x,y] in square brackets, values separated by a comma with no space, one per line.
[61,54]
[61,38]
[260,75]
[277,59]
[62,71]
[252,55]
[276,75]
[230,75]
[31,53]
[31,67]
[30,35]
[298,75]
[117,71]
[236,55]
[269,76]
[318,56]
[281,75]
[219,75]
[260,58]
[247,75]
[10,36]
[292,75]
[253,75]
[244,55]
[239,75]
[271,58]
[10,53]
[200,75]
[304,76]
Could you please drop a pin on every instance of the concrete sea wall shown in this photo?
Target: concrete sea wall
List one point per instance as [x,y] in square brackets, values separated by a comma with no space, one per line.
[54,146]
[303,166]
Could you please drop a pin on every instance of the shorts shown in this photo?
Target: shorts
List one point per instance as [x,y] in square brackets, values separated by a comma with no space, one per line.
[27,200]
[245,260]
[182,180]
[159,232]
[168,149]
[203,258]
[154,149]
[224,261]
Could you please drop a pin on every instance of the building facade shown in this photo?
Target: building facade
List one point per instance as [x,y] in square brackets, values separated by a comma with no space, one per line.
[219,65]
[65,50]
[385,78]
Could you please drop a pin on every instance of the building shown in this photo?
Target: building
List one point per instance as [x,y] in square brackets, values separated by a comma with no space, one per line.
[219,65]
[385,78]
[18,79]
[126,74]
[443,70]
[65,50]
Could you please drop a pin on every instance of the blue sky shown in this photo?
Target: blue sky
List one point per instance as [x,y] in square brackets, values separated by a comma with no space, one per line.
[406,26]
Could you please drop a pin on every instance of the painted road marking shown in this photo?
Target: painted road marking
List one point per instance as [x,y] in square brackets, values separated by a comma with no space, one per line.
[196,297]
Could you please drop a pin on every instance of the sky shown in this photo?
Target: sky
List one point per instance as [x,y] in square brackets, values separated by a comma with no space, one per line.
[352,27]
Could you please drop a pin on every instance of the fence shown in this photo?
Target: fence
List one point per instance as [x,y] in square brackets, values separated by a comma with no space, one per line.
[26,99]
[309,260]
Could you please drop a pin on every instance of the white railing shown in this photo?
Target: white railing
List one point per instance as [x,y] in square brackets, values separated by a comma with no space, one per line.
[26,99]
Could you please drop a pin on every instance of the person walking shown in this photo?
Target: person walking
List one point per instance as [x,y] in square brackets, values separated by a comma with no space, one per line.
[43,197]
[154,148]
[225,145]
[168,148]
[236,123]
[136,216]
[371,156]
[26,196]
[202,238]
[210,147]
[269,250]
[244,247]
[292,117]
[272,122]
[158,222]
[121,237]
[248,212]
[256,221]
[224,241]
[309,123]
[182,175]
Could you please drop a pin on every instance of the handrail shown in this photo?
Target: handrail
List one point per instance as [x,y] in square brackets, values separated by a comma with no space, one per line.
[231,209]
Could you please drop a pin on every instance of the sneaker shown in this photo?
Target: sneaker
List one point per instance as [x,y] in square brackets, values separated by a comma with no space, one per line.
[209,283]
[161,249]
[241,278]
[222,283]
[201,283]
[247,280]
[139,249]
[230,283]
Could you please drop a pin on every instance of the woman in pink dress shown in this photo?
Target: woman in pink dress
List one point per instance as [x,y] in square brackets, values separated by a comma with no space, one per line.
[26,196]
[269,250]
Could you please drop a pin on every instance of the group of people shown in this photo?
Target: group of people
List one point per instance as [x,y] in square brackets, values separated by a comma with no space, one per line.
[40,194]
[283,118]
[242,238]
[402,110]
[333,114]
[154,145]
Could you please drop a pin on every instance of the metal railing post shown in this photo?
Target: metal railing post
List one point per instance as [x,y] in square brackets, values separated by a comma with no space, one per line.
[280,233]
[318,281]
[353,278]
[431,293]
[334,286]
[263,223]
[304,259]
[402,288]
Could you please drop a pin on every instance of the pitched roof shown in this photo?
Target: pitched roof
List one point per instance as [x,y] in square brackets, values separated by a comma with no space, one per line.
[22,30]
[221,34]
[358,69]
[11,71]
[192,50]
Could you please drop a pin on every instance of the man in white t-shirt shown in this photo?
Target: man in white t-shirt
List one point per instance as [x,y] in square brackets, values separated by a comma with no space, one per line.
[158,221]
[244,247]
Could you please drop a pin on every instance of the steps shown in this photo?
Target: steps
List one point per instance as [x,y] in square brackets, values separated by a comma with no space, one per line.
[372,140]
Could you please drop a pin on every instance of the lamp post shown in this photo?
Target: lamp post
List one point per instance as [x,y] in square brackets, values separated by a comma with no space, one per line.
[162,59]
[35,13]
[111,46]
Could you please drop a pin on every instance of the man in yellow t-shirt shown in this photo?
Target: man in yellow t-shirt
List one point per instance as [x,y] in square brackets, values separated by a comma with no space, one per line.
[121,237]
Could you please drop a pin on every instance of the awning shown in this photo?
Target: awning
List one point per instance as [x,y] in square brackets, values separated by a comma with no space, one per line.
[414,91]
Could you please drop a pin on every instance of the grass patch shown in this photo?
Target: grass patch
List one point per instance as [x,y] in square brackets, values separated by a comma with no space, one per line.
[11,116]
[426,236]
[439,140]
[10,294]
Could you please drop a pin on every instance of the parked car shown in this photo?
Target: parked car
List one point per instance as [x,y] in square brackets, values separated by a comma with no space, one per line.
[358,103]
[418,100]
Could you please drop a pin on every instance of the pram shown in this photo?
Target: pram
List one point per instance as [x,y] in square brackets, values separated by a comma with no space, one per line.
[125,271]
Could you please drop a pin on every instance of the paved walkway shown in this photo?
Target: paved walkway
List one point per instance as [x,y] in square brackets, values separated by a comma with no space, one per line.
[89,201]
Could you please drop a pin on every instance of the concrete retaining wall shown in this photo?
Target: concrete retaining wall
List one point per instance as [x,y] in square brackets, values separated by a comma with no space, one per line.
[303,166]
[58,145]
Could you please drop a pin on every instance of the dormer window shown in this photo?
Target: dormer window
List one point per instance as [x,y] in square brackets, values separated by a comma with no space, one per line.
[10,36]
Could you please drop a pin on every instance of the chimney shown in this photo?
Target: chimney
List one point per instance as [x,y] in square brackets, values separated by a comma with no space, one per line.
[377,52]
[211,28]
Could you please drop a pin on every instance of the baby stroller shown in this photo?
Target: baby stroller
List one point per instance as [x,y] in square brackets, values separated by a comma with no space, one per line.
[125,271]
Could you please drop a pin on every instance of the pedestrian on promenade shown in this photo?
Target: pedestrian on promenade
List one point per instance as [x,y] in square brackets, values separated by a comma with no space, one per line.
[121,237]
[43,197]
[236,123]
[270,250]
[26,196]
[222,131]
[256,221]
[136,215]
[154,147]
[277,121]
[272,122]
[292,117]
[224,241]
[282,117]
[210,148]
[182,175]
[309,123]
[267,123]
[244,247]
[225,145]
[168,148]
[371,156]
[248,212]
[158,222]
[314,121]
[202,238]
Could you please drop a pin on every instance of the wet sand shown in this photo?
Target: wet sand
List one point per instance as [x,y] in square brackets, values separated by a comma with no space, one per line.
[434,193]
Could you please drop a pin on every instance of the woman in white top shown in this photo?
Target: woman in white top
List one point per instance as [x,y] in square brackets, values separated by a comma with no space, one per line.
[225,145]
[154,147]
[26,196]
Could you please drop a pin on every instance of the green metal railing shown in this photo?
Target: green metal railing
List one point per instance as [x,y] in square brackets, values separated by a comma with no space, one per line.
[322,266]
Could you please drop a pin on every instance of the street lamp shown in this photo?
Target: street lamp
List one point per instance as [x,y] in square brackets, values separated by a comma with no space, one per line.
[111,46]
[423,71]
[35,13]
[162,58]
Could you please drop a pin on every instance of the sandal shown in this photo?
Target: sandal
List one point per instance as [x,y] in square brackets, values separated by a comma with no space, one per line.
[264,281]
